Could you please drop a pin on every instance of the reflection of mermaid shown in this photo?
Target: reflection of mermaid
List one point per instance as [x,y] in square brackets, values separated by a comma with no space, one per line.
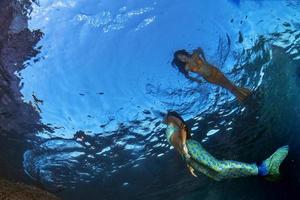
[196,62]
[199,160]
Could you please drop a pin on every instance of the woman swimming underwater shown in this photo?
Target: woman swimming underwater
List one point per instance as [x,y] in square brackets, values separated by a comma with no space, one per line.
[198,159]
[196,62]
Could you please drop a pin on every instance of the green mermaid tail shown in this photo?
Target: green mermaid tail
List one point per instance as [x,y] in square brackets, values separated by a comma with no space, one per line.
[274,161]
[205,163]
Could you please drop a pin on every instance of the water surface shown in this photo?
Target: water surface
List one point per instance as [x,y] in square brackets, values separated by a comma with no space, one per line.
[103,80]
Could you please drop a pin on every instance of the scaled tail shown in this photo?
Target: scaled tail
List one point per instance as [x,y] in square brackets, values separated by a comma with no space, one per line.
[242,93]
[273,163]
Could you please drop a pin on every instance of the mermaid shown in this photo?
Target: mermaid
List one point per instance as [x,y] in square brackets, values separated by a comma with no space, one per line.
[199,160]
[197,63]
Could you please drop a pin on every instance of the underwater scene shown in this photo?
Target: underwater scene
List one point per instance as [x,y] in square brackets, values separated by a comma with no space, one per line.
[150,99]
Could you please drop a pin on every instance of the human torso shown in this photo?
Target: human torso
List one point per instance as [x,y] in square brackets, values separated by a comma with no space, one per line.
[199,66]
[172,135]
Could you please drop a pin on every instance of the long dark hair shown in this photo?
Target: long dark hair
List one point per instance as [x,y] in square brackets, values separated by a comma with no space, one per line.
[178,63]
[175,114]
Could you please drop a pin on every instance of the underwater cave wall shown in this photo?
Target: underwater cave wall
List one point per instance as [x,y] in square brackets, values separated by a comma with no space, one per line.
[18,120]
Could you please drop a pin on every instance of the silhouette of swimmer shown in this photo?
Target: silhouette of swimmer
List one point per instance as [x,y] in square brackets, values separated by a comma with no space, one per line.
[196,62]
[199,160]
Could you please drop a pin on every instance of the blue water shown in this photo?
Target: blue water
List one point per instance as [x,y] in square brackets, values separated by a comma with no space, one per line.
[105,79]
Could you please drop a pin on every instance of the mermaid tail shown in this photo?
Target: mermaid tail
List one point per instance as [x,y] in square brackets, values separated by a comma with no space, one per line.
[205,163]
[241,93]
[218,78]
[270,166]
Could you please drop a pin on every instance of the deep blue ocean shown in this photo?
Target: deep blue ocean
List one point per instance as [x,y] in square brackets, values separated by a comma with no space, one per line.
[103,80]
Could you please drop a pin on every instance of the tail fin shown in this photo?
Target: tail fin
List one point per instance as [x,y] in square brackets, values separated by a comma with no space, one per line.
[242,93]
[274,161]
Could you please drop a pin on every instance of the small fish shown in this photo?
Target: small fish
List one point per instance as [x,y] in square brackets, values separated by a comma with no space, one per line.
[36,100]
[241,39]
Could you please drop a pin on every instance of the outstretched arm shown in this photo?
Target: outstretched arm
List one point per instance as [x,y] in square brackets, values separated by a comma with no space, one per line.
[183,137]
[200,52]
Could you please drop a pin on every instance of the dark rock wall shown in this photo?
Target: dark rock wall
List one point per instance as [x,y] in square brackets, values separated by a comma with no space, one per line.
[18,120]
[19,191]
